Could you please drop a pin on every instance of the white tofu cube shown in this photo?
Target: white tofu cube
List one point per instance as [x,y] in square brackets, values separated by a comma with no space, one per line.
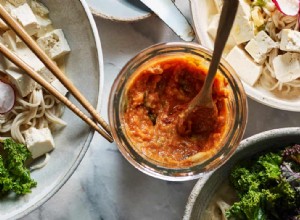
[243,29]
[17,2]
[244,8]
[59,87]
[24,15]
[54,44]
[287,67]
[23,83]
[212,31]
[45,25]
[260,46]
[9,64]
[10,40]
[290,40]
[219,5]
[247,70]
[46,74]
[39,9]
[8,7]
[38,141]
[30,58]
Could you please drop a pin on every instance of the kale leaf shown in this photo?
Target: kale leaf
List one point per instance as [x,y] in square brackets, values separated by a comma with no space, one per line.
[14,176]
[6,183]
[263,193]
[292,153]
[291,176]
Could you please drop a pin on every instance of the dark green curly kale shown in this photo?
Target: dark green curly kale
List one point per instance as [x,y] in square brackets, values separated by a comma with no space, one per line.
[14,176]
[263,192]
[290,171]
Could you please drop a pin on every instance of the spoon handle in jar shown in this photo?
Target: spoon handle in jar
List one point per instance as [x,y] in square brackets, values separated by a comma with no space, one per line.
[225,24]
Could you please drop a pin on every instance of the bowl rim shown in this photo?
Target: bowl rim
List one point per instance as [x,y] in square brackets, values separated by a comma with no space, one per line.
[98,13]
[86,144]
[257,138]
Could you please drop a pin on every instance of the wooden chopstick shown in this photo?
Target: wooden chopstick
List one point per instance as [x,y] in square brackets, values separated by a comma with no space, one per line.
[19,30]
[35,76]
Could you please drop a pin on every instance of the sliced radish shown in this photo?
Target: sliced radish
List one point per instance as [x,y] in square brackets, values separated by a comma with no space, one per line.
[7,97]
[287,7]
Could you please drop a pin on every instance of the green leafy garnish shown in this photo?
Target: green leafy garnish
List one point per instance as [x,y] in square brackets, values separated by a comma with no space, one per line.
[14,176]
[263,191]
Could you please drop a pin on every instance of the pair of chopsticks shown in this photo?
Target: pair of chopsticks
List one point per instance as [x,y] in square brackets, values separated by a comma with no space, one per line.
[22,34]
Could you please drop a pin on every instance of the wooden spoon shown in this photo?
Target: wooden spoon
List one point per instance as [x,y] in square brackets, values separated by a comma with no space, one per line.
[203,101]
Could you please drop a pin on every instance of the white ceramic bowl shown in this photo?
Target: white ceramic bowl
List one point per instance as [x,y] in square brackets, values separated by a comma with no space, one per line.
[205,188]
[85,60]
[120,10]
[202,11]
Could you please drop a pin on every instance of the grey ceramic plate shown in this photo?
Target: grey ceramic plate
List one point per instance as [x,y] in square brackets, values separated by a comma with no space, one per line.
[119,10]
[85,60]
[207,186]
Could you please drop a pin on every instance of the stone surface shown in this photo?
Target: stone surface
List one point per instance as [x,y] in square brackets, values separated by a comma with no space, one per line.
[105,186]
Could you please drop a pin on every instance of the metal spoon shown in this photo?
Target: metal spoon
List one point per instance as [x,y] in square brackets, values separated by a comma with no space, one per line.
[203,101]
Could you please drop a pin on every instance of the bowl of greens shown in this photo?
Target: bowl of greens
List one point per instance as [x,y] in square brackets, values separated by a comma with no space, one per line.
[260,181]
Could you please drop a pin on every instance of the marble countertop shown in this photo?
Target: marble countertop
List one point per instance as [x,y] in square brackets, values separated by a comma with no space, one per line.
[105,185]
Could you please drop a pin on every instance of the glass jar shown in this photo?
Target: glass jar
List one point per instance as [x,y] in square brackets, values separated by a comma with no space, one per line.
[236,120]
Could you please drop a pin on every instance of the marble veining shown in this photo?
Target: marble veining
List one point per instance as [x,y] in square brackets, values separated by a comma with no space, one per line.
[105,186]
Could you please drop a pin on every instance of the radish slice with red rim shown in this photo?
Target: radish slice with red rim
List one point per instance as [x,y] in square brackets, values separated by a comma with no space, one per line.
[7,97]
[287,7]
